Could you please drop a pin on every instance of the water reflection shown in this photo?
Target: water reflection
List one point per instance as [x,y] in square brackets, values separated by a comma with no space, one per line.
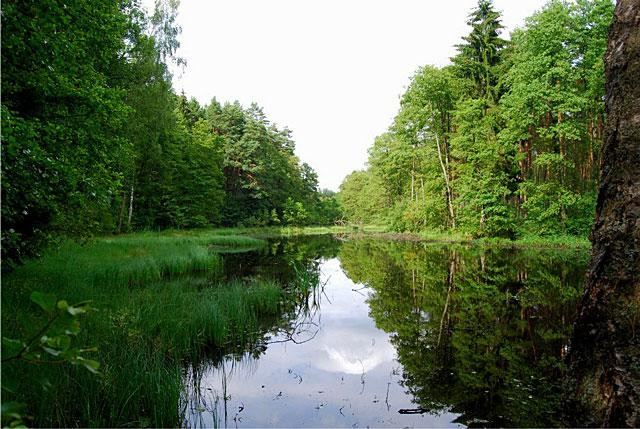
[399,334]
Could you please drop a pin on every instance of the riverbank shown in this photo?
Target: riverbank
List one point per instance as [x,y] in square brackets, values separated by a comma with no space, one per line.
[438,237]
[446,237]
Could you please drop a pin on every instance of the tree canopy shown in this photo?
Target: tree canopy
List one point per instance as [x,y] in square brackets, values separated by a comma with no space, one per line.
[505,140]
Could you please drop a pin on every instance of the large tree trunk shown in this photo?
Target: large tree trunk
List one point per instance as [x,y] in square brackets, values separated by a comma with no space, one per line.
[605,347]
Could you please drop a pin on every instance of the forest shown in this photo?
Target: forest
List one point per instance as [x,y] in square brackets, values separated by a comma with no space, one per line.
[96,141]
[168,262]
[505,141]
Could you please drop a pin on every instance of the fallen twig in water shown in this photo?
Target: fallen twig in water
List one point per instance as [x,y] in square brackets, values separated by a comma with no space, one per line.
[290,334]
[412,411]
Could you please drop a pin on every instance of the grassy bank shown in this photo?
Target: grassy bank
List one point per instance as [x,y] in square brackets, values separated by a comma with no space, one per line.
[561,242]
[444,237]
[159,301]
[452,237]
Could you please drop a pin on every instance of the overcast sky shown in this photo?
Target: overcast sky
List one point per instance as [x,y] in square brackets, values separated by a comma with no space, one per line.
[332,71]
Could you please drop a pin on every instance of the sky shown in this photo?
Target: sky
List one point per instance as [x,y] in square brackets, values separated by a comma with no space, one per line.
[330,70]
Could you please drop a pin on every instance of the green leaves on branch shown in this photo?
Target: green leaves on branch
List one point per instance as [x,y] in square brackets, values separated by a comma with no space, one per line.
[52,342]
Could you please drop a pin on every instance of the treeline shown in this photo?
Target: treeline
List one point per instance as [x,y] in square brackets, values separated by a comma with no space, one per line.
[502,142]
[94,139]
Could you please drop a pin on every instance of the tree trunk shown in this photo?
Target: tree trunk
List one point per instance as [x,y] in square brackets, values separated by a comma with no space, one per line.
[605,347]
[130,208]
[445,173]
[412,184]
[121,215]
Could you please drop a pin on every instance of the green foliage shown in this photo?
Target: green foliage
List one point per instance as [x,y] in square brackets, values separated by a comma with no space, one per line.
[504,142]
[554,112]
[361,196]
[61,119]
[261,171]
[294,213]
[51,344]
[480,53]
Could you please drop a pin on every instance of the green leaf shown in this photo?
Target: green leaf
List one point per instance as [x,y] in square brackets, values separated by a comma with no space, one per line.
[73,328]
[51,351]
[46,301]
[60,342]
[75,311]
[89,364]
[11,347]
[89,349]
[13,409]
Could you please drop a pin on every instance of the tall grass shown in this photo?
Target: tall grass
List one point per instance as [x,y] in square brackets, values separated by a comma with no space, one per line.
[151,318]
[128,260]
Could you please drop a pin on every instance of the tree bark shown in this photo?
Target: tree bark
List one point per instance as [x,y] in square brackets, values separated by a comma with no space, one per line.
[604,358]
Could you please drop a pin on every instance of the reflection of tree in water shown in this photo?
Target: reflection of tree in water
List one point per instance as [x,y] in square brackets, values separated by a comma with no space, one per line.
[276,261]
[480,332]
[291,262]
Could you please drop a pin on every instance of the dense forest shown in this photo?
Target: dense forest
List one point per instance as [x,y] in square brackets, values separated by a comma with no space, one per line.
[95,140]
[505,141]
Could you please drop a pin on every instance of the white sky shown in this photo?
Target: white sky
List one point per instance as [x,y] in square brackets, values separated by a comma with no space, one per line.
[332,71]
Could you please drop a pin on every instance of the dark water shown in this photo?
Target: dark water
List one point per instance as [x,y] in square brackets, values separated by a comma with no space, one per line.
[398,334]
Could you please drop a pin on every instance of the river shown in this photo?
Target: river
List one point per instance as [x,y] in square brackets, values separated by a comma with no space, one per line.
[397,334]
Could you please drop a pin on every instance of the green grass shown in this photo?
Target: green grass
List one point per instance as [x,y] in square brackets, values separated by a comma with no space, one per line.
[562,241]
[152,314]
[128,260]
[444,237]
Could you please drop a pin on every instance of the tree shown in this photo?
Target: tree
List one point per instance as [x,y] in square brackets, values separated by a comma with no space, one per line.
[479,54]
[605,347]
[552,112]
[361,197]
[504,141]
[62,119]
[424,120]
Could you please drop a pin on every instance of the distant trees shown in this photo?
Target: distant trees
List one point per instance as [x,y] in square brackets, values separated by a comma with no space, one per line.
[361,195]
[504,141]
[263,178]
[94,139]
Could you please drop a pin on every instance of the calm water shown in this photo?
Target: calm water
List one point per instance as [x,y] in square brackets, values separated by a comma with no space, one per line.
[398,335]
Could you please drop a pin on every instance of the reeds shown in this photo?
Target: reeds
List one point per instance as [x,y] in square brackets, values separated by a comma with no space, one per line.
[160,302]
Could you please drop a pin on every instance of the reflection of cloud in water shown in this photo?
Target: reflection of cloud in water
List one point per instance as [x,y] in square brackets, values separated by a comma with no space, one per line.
[352,348]
[348,339]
